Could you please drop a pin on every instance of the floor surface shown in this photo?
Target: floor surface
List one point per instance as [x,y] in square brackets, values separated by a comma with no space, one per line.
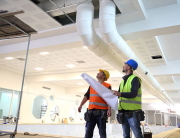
[37,136]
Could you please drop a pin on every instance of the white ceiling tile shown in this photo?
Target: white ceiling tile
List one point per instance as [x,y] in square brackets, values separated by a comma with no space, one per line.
[3,3]
[41,16]
[164,79]
[149,4]
[176,78]
[28,7]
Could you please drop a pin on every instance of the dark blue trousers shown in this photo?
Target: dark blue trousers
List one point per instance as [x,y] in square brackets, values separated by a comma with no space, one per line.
[134,124]
[90,125]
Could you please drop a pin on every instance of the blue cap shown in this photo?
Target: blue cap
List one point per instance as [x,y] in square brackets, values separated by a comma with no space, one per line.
[132,63]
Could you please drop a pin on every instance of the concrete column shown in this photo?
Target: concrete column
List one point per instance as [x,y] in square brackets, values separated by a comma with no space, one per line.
[166,119]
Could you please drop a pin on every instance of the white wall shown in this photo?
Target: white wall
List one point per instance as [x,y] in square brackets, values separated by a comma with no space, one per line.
[10,80]
[64,100]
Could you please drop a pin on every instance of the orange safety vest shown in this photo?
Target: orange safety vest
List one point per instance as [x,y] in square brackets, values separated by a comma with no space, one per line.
[95,101]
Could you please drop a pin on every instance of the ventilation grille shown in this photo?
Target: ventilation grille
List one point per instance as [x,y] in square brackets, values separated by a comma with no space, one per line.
[21,59]
[156,57]
[46,88]
[80,61]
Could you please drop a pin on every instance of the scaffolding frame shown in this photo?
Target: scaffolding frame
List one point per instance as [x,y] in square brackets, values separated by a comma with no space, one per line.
[24,34]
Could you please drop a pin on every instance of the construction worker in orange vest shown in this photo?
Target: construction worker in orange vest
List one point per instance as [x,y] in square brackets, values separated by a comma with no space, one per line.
[98,110]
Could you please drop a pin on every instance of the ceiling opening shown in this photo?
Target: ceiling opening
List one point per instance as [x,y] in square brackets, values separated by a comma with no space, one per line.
[64,11]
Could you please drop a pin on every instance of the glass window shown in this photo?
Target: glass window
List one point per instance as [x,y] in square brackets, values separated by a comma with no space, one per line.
[15,103]
[9,100]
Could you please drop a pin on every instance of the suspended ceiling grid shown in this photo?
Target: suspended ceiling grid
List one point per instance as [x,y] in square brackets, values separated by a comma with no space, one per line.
[55,61]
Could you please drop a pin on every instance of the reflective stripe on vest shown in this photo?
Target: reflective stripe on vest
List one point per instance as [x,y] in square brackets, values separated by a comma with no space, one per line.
[96,101]
[101,104]
[94,95]
[130,103]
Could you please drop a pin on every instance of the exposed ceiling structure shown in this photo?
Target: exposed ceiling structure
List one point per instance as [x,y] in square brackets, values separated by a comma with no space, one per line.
[11,26]
[150,27]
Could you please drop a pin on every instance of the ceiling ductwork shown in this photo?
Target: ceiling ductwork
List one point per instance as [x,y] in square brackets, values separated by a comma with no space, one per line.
[111,36]
[114,50]
[84,23]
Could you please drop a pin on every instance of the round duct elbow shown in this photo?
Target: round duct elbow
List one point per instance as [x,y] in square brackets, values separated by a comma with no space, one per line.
[84,21]
[107,21]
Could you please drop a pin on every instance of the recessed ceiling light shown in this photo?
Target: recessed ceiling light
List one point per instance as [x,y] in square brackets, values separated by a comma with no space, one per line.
[44,53]
[85,47]
[38,68]
[8,58]
[80,83]
[70,65]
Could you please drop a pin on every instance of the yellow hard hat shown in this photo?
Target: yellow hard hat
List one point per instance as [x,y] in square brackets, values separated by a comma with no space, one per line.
[106,73]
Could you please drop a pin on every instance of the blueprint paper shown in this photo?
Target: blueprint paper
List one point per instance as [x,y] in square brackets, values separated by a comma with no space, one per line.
[105,93]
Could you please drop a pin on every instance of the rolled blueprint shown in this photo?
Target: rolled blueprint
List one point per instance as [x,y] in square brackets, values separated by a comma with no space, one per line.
[105,93]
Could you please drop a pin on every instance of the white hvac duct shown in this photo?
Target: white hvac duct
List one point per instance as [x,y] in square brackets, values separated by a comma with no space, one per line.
[115,41]
[89,38]
[85,29]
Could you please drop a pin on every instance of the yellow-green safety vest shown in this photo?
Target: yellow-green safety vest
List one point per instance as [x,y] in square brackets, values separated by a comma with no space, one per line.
[130,103]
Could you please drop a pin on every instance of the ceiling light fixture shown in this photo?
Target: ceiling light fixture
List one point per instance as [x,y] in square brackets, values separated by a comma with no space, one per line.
[85,47]
[70,65]
[38,68]
[9,58]
[44,53]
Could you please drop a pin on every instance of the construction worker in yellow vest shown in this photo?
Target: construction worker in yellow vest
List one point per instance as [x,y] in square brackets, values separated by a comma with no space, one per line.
[98,110]
[129,109]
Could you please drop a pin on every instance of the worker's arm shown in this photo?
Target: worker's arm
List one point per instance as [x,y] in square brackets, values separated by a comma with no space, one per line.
[109,111]
[109,108]
[84,100]
[134,90]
